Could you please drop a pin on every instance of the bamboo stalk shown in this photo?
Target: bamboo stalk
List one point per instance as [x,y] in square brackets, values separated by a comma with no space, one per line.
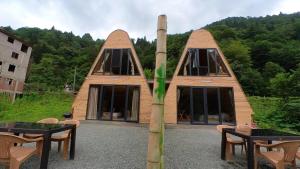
[155,159]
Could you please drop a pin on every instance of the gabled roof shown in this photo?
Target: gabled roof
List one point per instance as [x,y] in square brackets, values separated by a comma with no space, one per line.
[201,38]
[118,39]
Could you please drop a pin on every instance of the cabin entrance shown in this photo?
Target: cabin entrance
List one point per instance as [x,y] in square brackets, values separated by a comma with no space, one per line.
[114,103]
[205,105]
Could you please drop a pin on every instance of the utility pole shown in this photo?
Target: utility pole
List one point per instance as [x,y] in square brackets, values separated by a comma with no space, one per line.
[155,158]
[74,81]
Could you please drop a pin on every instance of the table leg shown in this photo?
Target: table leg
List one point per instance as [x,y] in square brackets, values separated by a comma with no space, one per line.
[73,140]
[223,145]
[250,154]
[45,152]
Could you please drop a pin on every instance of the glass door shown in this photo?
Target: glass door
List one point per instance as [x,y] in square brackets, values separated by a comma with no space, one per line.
[105,102]
[213,105]
[132,103]
[197,106]
[119,97]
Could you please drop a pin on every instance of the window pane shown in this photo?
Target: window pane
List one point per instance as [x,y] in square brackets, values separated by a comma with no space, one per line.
[183,104]
[198,105]
[116,59]
[212,105]
[221,66]
[203,57]
[227,105]
[132,69]
[195,64]
[125,62]
[106,96]
[133,103]
[92,104]
[119,103]
[212,61]
[107,61]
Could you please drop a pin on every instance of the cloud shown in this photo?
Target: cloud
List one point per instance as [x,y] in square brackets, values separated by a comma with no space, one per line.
[137,17]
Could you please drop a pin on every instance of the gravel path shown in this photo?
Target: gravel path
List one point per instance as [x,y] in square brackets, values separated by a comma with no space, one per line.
[112,145]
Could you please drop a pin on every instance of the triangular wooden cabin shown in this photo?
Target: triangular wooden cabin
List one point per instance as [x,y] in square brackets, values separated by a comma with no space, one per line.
[204,89]
[115,88]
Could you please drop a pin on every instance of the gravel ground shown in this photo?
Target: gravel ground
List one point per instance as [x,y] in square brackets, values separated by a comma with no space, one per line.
[113,145]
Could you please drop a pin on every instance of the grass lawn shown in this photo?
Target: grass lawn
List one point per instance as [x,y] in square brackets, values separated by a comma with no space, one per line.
[262,107]
[34,107]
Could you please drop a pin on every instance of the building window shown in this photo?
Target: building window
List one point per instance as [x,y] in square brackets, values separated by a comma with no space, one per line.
[24,48]
[14,55]
[11,68]
[203,62]
[10,39]
[117,62]
[8,81]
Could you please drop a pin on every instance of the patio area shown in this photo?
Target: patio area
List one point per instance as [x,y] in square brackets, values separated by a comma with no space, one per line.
[119,145]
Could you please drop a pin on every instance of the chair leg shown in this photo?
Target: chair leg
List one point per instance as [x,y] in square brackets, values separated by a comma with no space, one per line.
[256,163]
[242,149]
[280,166]
[39,147]
[233,149]
[294,164]
[14,164]
[59,146]
[66,148]
[246,149]
[228,151]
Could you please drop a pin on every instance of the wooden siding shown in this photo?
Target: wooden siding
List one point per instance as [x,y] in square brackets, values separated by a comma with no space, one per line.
[117,39]
[203,39]
[198,39]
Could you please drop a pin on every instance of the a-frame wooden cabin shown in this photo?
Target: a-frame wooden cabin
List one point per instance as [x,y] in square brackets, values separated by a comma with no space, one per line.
[204,89]
[115,88]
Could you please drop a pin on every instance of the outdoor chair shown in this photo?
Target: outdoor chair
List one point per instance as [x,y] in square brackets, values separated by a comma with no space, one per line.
[39,144]
[43,121]
[13,156]
[64,137]
[279,158]
[231,143]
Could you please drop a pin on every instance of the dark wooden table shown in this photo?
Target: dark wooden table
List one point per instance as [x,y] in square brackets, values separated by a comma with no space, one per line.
[47,130]
[255,134]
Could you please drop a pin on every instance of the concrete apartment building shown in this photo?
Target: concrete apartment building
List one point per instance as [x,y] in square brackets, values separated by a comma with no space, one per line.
[14,59]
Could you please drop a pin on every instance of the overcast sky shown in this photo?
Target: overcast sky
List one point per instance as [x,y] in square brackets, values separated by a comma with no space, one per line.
[137,17]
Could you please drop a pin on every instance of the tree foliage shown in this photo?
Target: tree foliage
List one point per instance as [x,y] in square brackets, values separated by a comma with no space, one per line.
[263,53]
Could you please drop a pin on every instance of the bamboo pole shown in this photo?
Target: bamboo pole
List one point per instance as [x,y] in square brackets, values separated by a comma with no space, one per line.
[155,159]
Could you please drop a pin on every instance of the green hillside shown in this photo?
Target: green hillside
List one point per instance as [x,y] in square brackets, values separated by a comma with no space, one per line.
[258,49]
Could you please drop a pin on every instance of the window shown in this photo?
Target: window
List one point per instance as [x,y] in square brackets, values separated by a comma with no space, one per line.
[203,62]
[117,62]
[205,105]
[115,102]
[24,48]
[11,68]
[0,66]
[14,55]
[10,39]
[8,81]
